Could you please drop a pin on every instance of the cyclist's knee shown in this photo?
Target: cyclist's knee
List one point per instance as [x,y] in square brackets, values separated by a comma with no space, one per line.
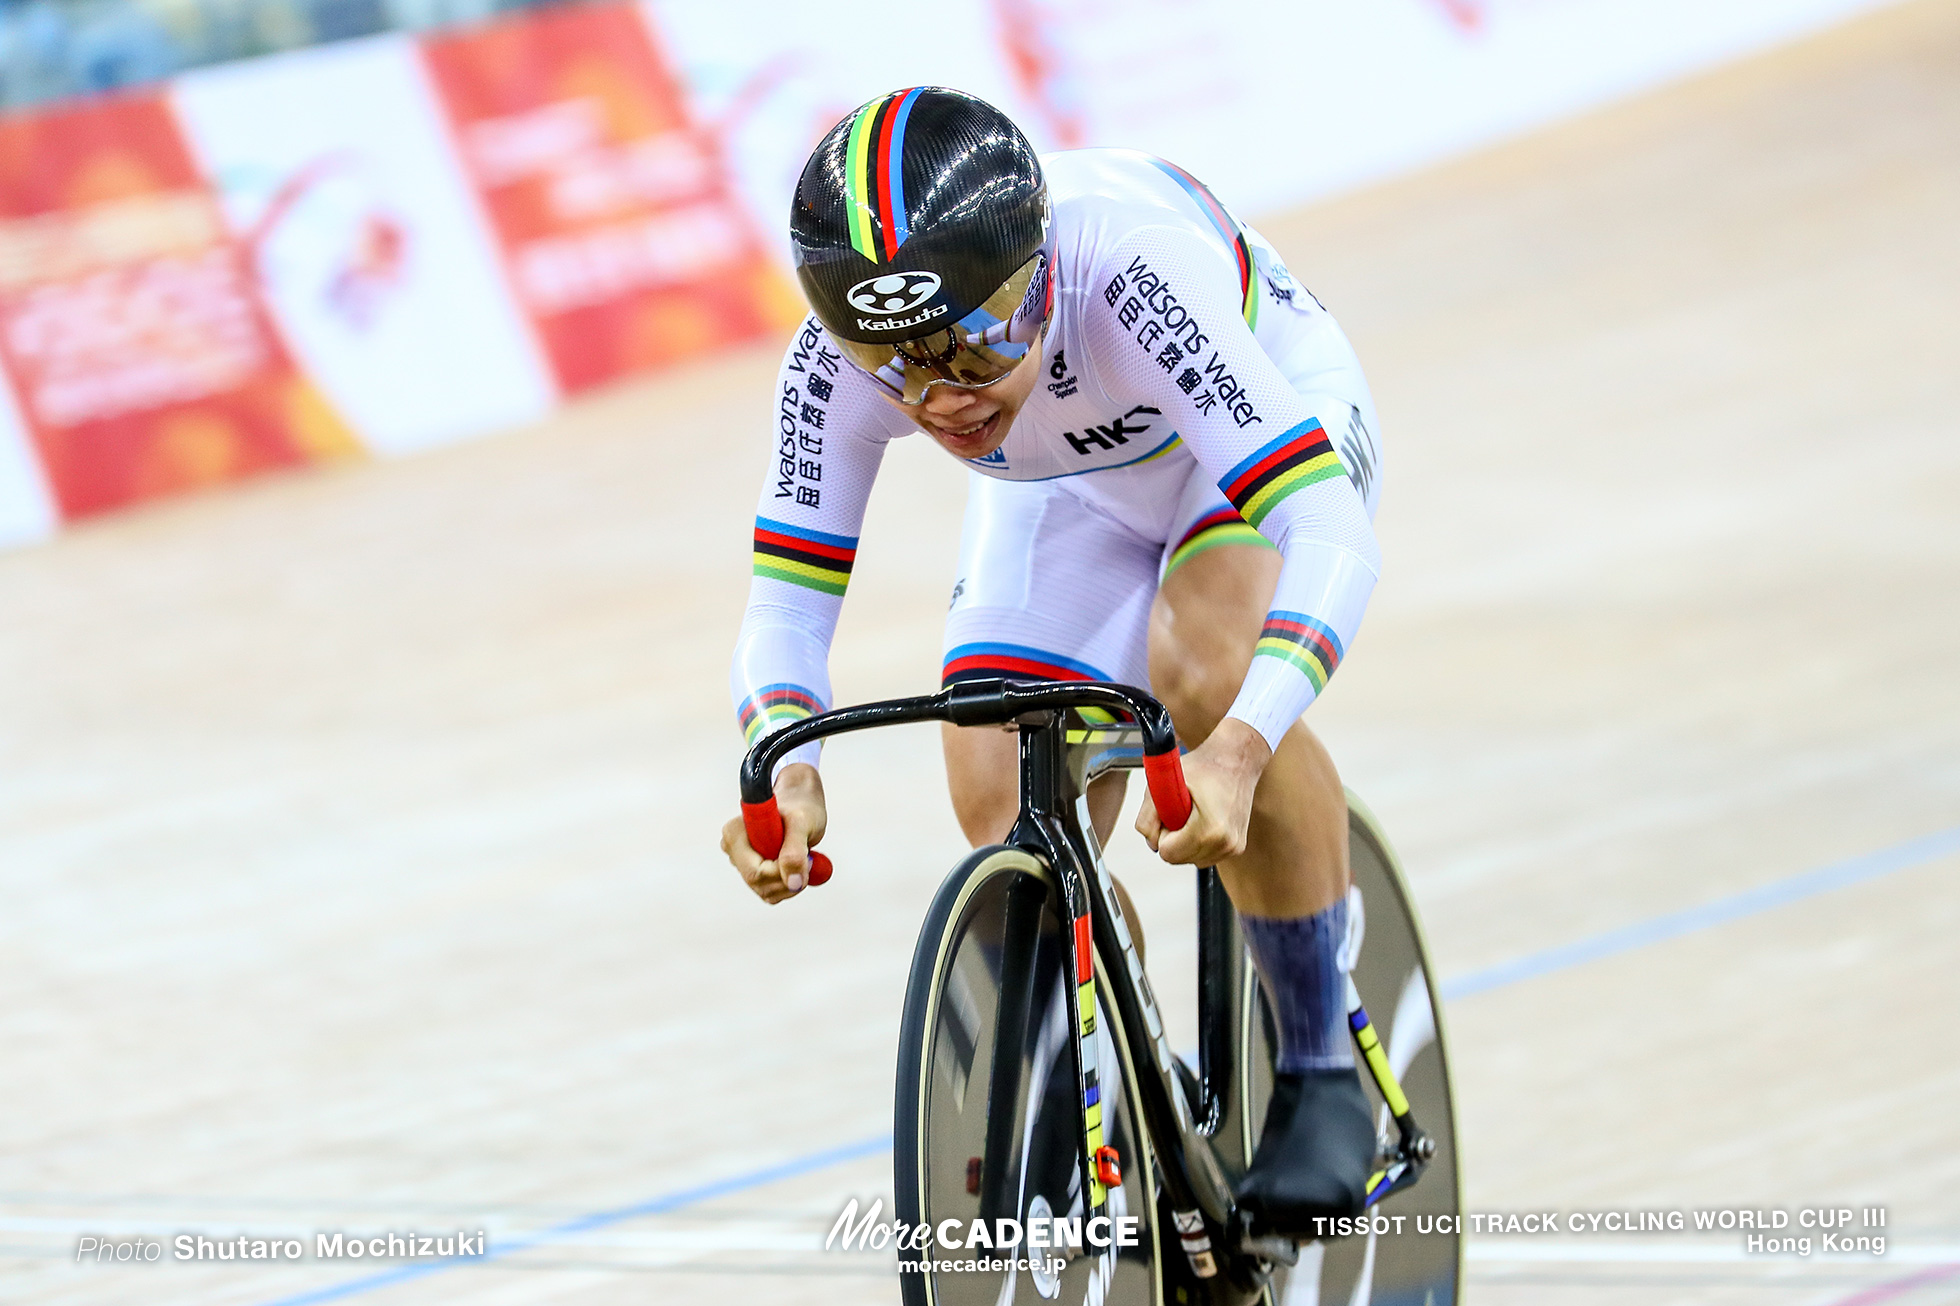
[1105,804]
[984,780]
[984,817]
[1303,773]
[1198,690]
[1298,836]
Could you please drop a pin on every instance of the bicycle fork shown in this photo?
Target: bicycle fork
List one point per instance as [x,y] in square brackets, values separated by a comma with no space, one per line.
[1414,1148]
[1044,777]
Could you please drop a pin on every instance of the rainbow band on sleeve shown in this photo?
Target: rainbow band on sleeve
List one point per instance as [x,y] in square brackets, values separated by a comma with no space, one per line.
[775,705]
[875,163]
[1281,467]
[812,559]
[1224,526]
[1228,229]
[1297,638]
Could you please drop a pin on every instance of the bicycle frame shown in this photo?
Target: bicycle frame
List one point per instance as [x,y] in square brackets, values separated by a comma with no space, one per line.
[1053,825]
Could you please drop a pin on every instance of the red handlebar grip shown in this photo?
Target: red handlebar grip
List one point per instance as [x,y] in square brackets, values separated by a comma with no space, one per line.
[1167,789]
[765,826]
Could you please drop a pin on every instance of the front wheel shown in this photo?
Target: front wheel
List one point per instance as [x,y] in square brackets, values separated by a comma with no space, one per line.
[989,1122]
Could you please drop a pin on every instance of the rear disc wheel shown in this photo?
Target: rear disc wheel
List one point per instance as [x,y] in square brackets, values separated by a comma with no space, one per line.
[1392,971]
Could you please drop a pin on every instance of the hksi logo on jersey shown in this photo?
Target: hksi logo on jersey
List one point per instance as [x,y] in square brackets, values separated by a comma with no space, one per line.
[893,293]
[1112,435]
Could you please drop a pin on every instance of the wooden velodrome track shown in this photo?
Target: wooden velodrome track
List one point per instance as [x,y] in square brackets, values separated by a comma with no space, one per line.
[357,830]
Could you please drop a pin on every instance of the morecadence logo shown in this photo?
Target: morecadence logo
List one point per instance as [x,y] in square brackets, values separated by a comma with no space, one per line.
[1041,1243]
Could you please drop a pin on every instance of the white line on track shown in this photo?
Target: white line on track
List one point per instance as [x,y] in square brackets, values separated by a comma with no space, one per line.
[787,1237]
[1603,1252]
[721,1238]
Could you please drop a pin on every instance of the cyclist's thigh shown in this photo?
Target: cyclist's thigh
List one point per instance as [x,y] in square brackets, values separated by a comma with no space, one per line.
[1049,588]
[1209,613]
[1218,582]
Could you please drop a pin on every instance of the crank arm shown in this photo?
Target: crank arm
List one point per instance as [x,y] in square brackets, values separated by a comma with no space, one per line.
[1270,1247]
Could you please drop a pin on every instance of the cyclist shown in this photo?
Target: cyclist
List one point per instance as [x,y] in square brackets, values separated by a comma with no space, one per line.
[1174,472]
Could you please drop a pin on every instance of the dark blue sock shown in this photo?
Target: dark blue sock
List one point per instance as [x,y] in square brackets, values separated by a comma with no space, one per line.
[1299,962]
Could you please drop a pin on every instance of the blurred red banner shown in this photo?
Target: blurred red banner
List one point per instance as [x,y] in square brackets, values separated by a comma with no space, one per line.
[619,230]
[141,353]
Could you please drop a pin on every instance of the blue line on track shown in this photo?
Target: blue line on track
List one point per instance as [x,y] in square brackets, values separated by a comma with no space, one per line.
[660,1205]
[1777,893]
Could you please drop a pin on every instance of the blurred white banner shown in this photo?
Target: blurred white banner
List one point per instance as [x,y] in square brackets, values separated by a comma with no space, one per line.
[335,168]
[27,511]
[1271,104]
[377,255]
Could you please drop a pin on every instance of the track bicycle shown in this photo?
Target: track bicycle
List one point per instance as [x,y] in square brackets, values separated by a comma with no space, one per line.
[1035,1081]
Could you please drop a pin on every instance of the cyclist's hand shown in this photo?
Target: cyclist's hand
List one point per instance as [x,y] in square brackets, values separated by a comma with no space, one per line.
[799,797]
[1222,773]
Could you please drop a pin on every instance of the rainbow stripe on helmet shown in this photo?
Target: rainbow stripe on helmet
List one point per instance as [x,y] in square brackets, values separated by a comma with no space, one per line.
[874,163]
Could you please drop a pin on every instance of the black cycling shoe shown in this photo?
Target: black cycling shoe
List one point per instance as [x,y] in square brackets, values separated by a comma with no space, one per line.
[1314,1156]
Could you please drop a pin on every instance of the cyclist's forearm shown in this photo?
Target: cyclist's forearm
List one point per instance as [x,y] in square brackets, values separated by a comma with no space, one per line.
[780,673]
[828,444]
[1315,613]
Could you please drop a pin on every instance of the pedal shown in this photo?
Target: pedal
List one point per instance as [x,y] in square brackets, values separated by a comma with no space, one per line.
[1270,1247]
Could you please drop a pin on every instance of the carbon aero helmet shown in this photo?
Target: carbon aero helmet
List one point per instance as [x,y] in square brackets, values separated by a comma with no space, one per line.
[920,231]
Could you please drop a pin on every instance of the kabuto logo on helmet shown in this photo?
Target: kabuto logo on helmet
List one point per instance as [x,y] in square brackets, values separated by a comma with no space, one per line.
[893,293]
